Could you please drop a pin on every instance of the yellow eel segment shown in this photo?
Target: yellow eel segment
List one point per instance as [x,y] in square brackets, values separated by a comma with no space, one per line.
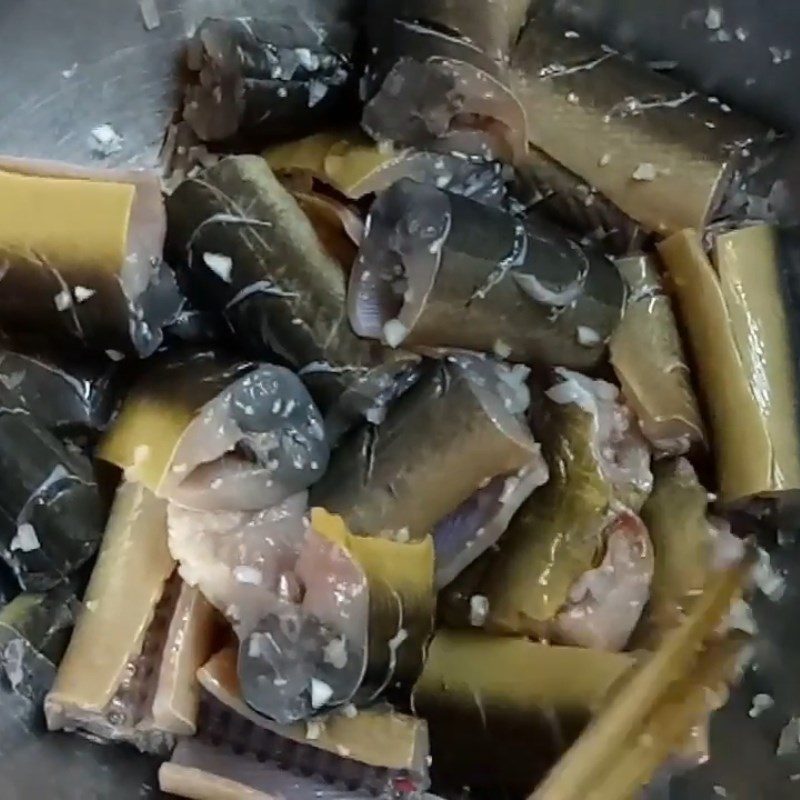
[737,332]
[70,223]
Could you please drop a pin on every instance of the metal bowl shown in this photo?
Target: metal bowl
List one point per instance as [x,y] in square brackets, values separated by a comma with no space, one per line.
[69,67]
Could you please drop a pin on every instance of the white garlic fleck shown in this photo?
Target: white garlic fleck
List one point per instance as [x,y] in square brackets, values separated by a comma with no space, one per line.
[219,264]
[645,172]
[313,729]
[761,702]
[246,574]
[104,141]
[335,653]
[501,349]
[320,693]
[789,743]
[25,539]
[82,294]
[714,18]
[63,300]
[588,337]
[478,610]
[394,332]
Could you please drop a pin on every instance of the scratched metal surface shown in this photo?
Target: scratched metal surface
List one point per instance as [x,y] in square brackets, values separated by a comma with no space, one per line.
[67,66]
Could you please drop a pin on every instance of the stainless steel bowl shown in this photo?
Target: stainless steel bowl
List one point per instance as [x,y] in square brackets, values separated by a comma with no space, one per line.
[67,67]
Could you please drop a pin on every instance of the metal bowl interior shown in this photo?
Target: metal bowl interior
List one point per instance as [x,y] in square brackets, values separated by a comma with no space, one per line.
[69,67]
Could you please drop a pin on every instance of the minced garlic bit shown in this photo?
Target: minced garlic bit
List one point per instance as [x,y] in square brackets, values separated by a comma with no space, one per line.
[741,617]
[768,580]
[394,332]
[501,349]
[151,19]
[789,743]
[104,141]
[63,300]
[219,264]
[478,610]
[313,729]
[245,574]
[25,539]
[254,646]
[82,294]
[714,18]
[761,702]
[645,172]
[335,654]
[588,337]
[321,692]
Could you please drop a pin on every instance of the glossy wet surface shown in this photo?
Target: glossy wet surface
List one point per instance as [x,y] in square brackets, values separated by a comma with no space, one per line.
[71,67]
